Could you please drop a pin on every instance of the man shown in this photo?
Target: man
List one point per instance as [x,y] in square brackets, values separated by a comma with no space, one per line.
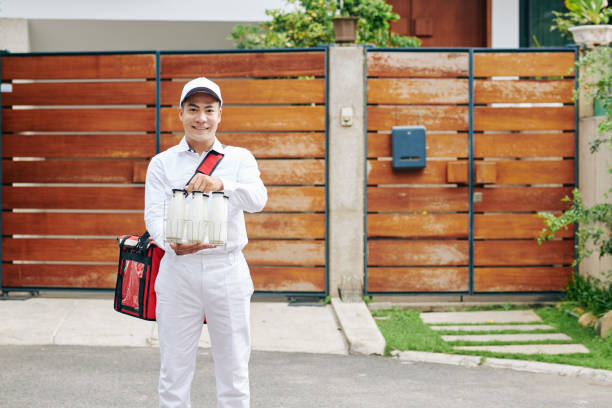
[203,280]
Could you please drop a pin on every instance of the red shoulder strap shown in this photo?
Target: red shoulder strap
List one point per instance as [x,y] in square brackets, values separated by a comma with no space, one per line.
[208,164]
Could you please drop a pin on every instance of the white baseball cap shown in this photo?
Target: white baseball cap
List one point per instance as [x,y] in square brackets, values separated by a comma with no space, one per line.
[201,85]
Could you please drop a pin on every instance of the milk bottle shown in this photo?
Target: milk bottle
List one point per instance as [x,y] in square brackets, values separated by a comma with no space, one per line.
[175,222]
[196,218]
[218,218]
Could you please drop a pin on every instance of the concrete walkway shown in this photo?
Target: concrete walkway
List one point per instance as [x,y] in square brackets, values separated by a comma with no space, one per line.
[497,324]
[341,328]
[276,326]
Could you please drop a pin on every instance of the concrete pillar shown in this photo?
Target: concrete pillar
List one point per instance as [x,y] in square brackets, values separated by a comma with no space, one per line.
[346,189]
[14,35]
[594,179]
[594,183]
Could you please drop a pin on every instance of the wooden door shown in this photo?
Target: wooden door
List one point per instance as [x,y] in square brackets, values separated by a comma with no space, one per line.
[417,219]
[442,23]
[524,134]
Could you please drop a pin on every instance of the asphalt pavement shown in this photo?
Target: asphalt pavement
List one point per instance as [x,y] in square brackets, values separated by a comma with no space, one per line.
[107,377]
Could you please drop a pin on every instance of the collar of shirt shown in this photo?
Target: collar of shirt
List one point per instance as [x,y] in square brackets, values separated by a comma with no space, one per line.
[217,146]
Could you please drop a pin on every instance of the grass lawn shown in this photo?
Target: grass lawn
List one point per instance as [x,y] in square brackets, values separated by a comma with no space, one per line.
[404,330]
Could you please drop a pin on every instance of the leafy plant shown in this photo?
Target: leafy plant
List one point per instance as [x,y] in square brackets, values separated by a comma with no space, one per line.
[590,293]
[581,12]
[595,226]
[596,83]
[594,230]
[310,23]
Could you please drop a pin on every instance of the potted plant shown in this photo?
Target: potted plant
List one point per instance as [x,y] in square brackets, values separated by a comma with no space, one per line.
[345,26]
[595,81]
[586,20]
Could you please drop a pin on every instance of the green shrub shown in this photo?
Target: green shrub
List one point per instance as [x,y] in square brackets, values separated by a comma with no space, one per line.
[591,294]
[310,23]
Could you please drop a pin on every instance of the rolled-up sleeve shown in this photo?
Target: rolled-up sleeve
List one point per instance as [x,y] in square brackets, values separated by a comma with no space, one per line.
[248,192]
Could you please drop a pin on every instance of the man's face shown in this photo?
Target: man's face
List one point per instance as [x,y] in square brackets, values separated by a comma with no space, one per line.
[200,114]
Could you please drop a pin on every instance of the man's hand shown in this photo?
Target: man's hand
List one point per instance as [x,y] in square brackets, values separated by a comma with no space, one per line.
[185,249]
[202,182]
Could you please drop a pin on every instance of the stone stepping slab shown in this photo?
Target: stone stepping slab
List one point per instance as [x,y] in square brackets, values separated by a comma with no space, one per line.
[510,316]
[531,349]
[507,337]
[498,327]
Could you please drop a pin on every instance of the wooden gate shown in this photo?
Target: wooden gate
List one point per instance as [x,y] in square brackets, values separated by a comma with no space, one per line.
[500,147]
[77,134]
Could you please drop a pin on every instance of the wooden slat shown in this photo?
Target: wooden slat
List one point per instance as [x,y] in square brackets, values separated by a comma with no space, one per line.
[81,93]
[292,172]
[78,250]
[418,225]
[293,279]
[537,118]
[523,199]
[535,172]
[59,276]
[269,91]
[437,144]
[521,279]
[288,279]
[500,253]
[308,199]
[257,118]
[267,64]
[524,64]
[79,120]
[297,253]
[103,198]
[512,226]
[69,171]
[417,64]
[261,225]
[78,66]
[523,145]
[417,279]
[72,224]
[533,91]
[84,146]
[416,253]
[382,172]
[265,225]
[267,145]
[432,117]
[106,250]
[417,199]
[273,172]
[417,91]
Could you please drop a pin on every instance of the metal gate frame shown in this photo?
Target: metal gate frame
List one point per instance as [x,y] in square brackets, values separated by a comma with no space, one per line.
[158,53]
[471,52]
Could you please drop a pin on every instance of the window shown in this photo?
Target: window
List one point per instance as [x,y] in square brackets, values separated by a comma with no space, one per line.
[536,17]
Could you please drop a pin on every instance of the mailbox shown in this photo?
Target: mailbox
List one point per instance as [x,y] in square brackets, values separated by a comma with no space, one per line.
[408,147]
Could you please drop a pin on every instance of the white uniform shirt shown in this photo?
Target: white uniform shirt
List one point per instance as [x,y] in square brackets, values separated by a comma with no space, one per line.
[174,167]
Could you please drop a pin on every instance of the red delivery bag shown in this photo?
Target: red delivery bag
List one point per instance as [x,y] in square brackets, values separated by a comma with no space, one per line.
[139,258]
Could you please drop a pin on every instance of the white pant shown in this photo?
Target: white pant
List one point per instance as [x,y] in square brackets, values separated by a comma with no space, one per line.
[188,288]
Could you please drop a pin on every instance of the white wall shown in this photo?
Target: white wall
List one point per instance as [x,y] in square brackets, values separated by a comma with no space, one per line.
[151,10]
[505,23]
